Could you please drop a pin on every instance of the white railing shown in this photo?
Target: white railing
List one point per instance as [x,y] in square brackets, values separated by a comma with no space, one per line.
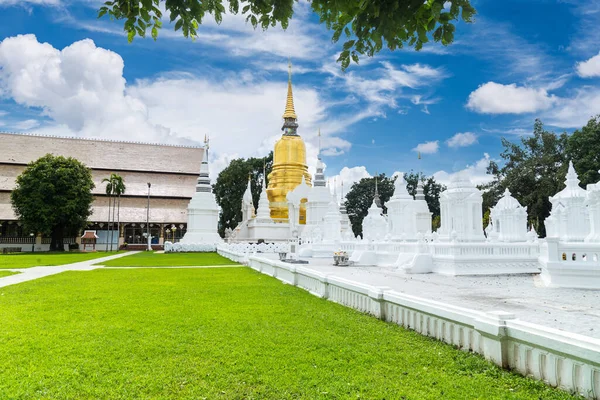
[233,255]
[258,248]
[485,249]
[561,359]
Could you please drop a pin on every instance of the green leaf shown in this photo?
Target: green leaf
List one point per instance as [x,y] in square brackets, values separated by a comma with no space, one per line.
[154,32]
[178,24]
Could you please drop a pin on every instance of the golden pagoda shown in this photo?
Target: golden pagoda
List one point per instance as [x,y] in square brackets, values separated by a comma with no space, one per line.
[289,162]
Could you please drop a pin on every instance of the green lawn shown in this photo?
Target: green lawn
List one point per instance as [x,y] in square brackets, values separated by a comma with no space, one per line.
[44,259]
[152,259]
[7,273]
[227,333]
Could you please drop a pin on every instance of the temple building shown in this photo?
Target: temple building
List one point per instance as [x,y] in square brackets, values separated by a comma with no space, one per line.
[171,170]
[290,207]
[289,162]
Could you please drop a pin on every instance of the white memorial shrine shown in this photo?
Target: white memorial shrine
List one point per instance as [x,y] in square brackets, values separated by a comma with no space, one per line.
[407,216]
[509,220]
[203,216]
[570,253]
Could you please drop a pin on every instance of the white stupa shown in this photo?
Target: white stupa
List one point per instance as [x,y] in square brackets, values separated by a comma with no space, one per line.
[461,211]
[569,220]
[509,219]
[374,225]
[593,204]
[203,211]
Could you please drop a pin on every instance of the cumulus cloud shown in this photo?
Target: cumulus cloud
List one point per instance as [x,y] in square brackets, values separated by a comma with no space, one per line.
[82,90]
[589,68]
[462,140]
[80,87]
[342,182]
[428,147]
[476,172]
[495,98]
[575,111]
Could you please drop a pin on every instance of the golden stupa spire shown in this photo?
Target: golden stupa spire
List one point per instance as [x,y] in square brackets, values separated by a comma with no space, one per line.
[289,104]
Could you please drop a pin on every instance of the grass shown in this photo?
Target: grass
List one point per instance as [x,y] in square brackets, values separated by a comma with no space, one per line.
[7,273]
[227,333]
[46,259]
[152,259]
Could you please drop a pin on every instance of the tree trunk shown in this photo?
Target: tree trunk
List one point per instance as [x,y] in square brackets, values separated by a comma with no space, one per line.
[119,220]
[108,223]
[56,243]
[113,223]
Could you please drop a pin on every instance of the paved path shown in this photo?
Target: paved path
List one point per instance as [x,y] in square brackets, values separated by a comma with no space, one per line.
[28,274]
[573,310]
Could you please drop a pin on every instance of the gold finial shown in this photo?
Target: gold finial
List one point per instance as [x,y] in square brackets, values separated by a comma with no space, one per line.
[419,153]
[289,104]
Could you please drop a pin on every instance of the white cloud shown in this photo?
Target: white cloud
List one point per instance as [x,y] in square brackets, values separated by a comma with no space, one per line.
[575,111]
[476,172]
[343,181]
[428,147]
[589,68]
[80,87]
[495,98]
[383,86]
[462,140]
[26,124]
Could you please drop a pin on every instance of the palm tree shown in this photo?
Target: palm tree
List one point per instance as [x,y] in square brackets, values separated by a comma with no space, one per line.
[114,189]
[109,193]
[118,190]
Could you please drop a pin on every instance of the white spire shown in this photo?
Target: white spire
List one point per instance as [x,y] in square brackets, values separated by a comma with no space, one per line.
[247,199]
[263,204]
[319,175]
[400,191]
[203,183]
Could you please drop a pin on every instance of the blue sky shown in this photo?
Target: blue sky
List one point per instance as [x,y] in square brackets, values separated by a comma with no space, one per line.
[519,61]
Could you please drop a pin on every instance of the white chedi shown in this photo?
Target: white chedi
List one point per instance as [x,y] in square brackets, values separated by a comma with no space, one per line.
[332,226]
[400,212]
[407,217]
[509,220]
[248,210]
[374,225]
[203,211]
[569,220]
[263,214]
[593,204]
[461,211]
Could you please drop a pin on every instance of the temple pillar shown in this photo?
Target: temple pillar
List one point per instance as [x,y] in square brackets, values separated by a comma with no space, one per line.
[161,236]
[38,242]
[121,234]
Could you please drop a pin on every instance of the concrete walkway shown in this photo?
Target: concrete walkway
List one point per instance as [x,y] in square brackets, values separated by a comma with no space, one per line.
[28,274]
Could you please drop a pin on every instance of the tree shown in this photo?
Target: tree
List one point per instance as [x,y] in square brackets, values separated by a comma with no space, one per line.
[119,189]
[53,197]
[109,193]
[360,197]
[231,184]
[583,148]
[431,188]
[115,187]
[533,171]
[368,26]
